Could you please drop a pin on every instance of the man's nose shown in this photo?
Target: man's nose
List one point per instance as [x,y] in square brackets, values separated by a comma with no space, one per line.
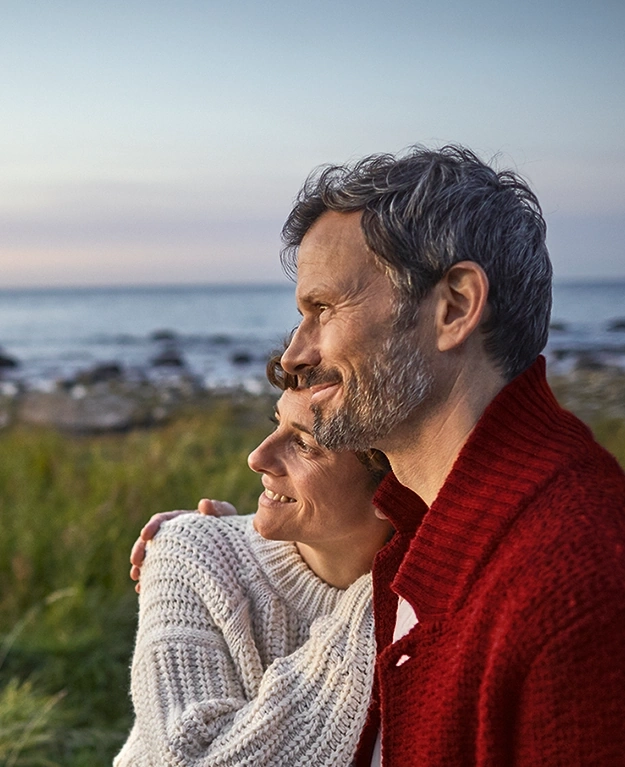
[302,352]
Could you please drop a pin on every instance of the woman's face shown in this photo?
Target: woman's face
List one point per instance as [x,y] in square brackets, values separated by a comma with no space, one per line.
[311,495]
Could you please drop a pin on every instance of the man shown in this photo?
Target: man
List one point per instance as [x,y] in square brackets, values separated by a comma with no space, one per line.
[424,285]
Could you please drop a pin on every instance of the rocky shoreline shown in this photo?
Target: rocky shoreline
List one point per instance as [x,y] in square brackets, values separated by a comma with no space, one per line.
[106,398]
[111,396]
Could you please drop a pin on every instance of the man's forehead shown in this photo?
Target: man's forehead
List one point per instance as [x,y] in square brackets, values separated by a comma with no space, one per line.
[333,256]
[320,284]
[334,231]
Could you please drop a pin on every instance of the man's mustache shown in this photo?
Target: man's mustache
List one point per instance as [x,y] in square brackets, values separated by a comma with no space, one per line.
[317,375]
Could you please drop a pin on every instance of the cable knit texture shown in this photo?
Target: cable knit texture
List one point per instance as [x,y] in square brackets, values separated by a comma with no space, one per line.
[243,656]
[517,576]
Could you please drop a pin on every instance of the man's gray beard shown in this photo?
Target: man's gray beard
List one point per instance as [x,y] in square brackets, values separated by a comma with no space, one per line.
[379,398]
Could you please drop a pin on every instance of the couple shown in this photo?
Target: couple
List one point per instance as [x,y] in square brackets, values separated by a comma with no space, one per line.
[424,285]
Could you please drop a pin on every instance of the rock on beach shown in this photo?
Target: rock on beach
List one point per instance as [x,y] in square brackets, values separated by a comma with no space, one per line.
[6,361]
[101,399]
[80,411]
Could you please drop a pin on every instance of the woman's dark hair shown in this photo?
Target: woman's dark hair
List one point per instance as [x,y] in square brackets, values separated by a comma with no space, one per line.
[373,460]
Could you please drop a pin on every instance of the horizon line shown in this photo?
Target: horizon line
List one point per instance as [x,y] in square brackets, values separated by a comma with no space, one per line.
[572,280]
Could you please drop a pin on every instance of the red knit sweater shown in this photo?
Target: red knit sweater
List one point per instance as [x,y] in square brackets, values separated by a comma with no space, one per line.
[517,576]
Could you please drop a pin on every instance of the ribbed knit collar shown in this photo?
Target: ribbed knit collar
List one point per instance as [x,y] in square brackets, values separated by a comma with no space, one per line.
[303,591]
[522,439]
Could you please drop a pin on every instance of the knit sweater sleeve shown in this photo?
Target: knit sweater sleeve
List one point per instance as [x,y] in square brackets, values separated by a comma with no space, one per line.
[200,700]
[571,710]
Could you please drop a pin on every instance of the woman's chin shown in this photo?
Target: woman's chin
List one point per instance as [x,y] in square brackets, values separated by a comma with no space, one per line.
[267,527]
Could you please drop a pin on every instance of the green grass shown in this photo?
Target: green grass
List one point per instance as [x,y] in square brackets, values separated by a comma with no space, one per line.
[610,432]
[70,509]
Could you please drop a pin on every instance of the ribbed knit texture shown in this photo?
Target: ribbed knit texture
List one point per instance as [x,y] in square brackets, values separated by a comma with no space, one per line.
[243,656]
[517,577]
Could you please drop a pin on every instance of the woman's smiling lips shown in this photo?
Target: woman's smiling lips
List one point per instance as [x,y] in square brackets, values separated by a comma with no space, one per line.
[277,497]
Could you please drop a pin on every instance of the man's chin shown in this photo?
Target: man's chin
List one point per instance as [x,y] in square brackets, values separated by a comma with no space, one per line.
[327,426]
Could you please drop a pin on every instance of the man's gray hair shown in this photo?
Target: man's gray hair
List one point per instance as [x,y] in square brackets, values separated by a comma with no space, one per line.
[426,210]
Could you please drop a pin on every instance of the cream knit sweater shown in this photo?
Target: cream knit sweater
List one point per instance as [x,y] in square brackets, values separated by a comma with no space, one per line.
[243,656]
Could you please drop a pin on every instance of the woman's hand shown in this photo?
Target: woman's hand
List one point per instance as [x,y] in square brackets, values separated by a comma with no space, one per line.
[137,555]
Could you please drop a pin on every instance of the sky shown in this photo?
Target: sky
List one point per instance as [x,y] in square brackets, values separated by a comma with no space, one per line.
[163,141]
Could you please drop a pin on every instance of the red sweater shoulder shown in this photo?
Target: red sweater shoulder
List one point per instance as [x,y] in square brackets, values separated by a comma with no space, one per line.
[516,575]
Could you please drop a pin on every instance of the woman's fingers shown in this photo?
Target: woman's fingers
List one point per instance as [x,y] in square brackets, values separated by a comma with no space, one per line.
[206,506]
[135,572]
[156,520]
[137,555]
[211,508]
[224,509]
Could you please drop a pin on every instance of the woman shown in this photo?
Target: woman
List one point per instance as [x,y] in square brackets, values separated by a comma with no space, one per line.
[252,649]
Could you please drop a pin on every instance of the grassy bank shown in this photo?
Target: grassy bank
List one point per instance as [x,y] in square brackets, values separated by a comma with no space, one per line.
[70,508]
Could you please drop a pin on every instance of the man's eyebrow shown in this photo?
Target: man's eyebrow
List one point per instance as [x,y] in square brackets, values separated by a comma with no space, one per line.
[310,299]
[299,427]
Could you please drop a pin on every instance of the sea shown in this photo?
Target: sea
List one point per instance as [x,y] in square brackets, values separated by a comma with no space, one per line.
[221,335]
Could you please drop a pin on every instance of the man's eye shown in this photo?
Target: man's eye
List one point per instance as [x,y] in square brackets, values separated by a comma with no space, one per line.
[303,446]
[319,307]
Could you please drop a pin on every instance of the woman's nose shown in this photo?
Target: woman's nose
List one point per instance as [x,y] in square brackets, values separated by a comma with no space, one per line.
[264,459]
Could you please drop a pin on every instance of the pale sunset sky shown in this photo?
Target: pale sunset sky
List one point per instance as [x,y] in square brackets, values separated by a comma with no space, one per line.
[163,141]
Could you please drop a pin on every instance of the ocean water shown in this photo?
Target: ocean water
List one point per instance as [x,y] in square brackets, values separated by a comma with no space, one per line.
[587,321]
[224,334]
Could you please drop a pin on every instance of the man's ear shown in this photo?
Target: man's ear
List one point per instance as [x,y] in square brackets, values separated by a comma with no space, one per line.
[462,295]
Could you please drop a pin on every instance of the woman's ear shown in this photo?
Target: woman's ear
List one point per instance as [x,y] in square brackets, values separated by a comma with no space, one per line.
[462,295]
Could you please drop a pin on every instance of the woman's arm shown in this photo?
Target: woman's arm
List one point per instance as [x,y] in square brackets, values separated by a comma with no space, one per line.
[207,507]
[196,705]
